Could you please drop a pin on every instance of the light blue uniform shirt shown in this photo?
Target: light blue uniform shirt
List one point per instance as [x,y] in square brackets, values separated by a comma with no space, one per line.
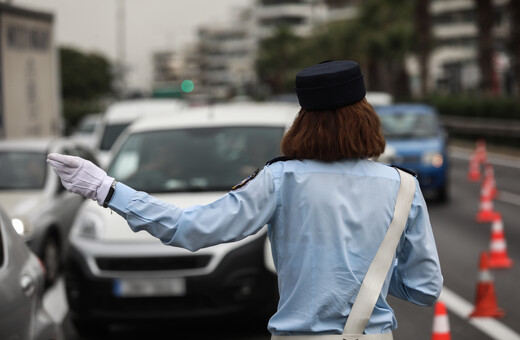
[325,223]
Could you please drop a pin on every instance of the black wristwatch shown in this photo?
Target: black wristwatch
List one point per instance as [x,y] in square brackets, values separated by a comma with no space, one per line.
[110,194]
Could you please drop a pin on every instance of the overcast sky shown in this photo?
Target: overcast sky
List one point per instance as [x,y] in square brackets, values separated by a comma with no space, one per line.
[151,25]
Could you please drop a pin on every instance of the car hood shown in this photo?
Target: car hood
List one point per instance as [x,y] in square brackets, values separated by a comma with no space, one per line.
[21,203]
[415,146]
[116,228]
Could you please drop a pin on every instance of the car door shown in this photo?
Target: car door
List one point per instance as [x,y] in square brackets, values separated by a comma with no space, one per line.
[17,286]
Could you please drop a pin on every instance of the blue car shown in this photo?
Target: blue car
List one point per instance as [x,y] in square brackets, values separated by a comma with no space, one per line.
[417,141]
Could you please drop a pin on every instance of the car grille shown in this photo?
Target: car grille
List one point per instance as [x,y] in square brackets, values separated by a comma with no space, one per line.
[396,160]
[152,263]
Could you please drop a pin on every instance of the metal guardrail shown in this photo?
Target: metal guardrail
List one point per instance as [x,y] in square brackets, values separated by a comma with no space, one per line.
[480,126]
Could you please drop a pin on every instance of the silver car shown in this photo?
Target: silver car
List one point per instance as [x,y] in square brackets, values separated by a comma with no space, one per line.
[42,211]
[22,315]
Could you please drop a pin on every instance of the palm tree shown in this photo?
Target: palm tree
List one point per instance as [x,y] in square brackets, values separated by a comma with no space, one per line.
[484,10]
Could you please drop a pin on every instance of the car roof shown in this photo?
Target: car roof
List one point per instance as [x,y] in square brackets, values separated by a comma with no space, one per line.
[230,114]
[36,144]
[128,110]
[396,108]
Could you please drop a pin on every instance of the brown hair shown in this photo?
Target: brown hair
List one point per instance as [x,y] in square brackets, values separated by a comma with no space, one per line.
[352,131]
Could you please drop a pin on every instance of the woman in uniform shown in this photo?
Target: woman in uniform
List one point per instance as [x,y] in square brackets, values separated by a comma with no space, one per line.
[326,204]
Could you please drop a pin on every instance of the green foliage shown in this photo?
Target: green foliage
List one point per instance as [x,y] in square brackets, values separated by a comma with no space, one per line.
[381,34]
[86,80]
[477,107]
[279,59]
[84,76]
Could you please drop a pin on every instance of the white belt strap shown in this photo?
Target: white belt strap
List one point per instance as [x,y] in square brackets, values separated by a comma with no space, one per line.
[376,274]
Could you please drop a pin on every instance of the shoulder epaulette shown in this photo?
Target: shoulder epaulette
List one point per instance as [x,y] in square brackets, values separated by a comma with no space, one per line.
[279,159]
[414,174]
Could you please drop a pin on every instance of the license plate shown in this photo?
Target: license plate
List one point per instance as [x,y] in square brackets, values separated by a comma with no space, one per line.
[149,287]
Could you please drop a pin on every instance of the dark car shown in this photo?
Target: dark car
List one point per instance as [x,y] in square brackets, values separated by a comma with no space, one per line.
[417,141]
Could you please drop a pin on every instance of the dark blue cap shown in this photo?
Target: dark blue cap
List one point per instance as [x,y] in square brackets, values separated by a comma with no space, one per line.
[330,85]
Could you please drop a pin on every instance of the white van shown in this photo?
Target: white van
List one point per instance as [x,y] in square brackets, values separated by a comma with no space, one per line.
[120,115]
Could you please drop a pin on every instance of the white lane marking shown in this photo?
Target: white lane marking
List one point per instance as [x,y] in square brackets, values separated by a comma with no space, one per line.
[508,197]
[55,302]
[490,326]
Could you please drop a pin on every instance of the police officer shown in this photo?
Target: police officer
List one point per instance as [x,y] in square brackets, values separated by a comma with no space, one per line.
[327,206]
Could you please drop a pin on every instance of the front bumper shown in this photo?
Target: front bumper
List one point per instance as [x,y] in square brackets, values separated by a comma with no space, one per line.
[240,282]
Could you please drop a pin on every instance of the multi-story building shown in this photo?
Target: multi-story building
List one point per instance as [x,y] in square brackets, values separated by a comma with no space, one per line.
[226,59]
[454,60]
[223,63]
[228,53]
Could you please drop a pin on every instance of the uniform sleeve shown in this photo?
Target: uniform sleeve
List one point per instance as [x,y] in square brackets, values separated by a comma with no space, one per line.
[417,275]
[234,216]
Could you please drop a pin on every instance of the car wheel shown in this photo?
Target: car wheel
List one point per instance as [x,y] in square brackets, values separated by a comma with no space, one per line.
[443,194]
[85,326]
[51,259]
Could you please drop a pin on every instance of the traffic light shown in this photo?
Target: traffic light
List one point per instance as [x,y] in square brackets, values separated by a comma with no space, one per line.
[187,86]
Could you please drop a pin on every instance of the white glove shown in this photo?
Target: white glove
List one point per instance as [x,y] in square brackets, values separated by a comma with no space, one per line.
[81,176]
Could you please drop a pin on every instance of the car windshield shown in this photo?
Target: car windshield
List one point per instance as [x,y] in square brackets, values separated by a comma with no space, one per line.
[22,170]
[409,124]
[110,134]
[198,159]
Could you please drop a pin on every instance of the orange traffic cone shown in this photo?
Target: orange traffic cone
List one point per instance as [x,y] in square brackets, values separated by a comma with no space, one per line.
[441,323]
[498,257]
[489,180]
[481,150]
[486,211]
[486,304]
[474,168]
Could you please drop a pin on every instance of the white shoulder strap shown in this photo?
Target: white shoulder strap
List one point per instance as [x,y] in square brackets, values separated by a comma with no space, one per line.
[376,274]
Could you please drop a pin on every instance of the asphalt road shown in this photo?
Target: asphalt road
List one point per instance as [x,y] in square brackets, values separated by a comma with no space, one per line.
[460,240]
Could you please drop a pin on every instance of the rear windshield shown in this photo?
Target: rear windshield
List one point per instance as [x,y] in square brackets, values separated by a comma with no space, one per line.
[409,124]
[207,159]
[22,170]
[110,134]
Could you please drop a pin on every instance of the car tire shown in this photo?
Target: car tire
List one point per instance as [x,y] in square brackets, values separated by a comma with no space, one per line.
[443,193]
[51,259]
[89,327]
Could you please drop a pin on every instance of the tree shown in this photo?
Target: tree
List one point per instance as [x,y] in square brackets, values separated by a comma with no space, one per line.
[278,60]
[485,45]
[385,34]
[86,79]
[514,12]
[423,41]
[84,76]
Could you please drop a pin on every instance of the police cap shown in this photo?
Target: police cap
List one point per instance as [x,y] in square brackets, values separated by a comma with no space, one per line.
[330,85]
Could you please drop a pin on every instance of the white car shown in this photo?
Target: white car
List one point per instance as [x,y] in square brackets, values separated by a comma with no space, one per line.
[119,115]
[115,275]
[42,211]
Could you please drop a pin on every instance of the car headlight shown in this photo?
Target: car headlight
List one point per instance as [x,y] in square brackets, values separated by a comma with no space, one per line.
[88,225]
[433,158]
[21,226]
